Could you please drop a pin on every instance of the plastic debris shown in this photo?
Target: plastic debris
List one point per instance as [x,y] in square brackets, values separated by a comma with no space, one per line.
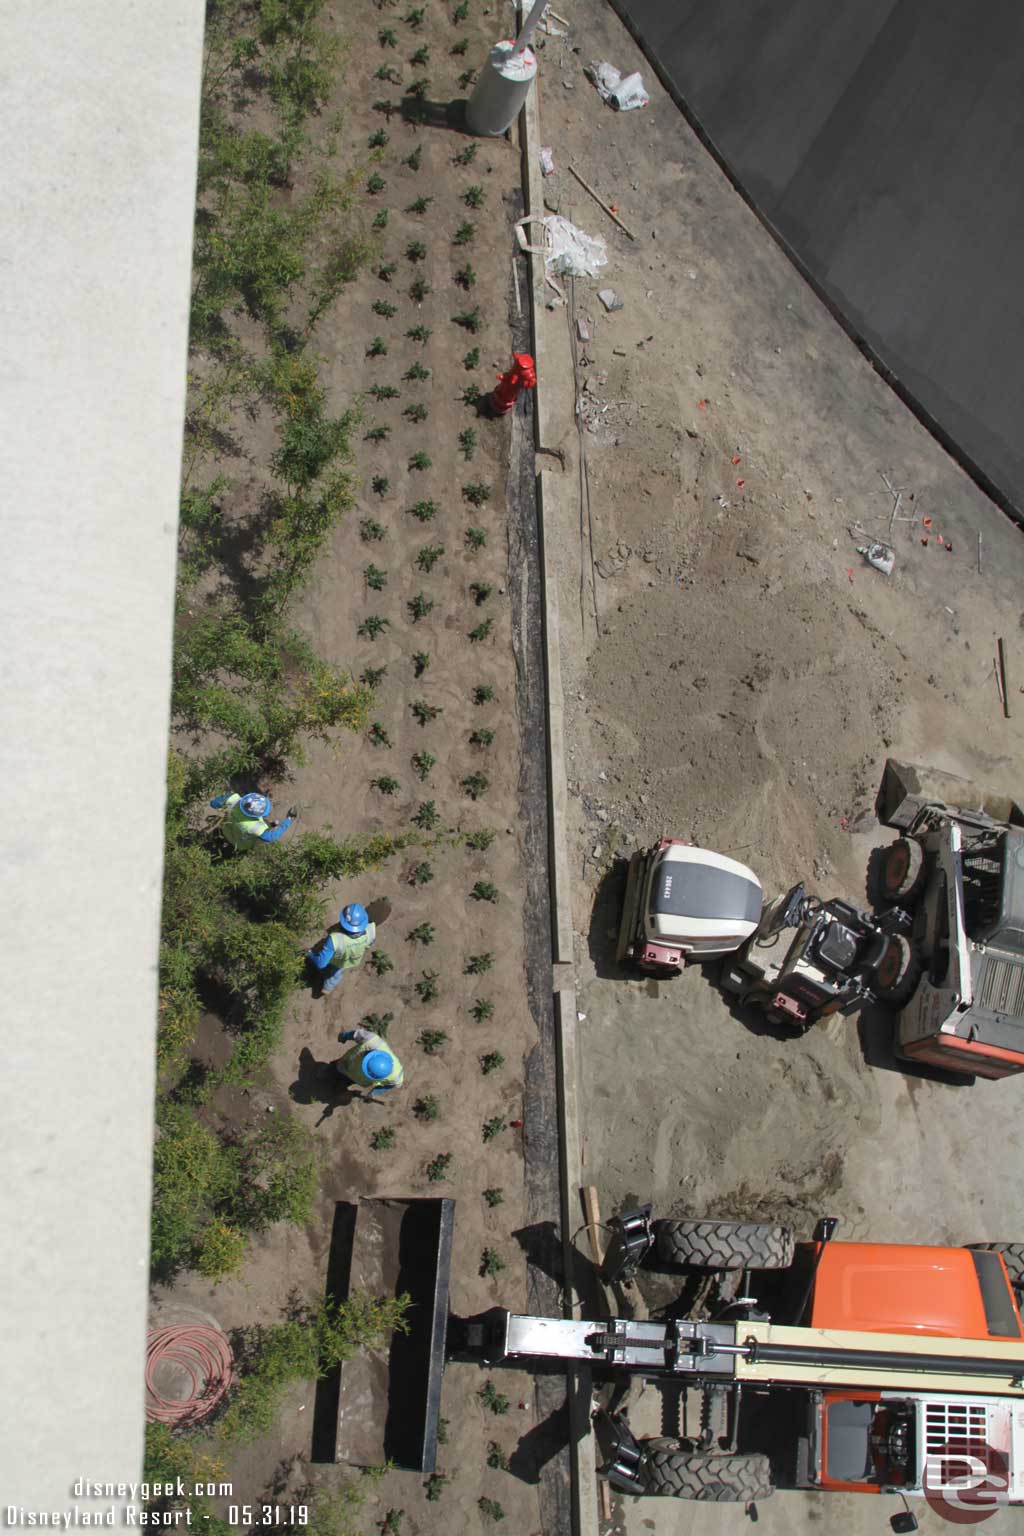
[881,556]
[547,160]
[566,249]
[623,92]
[609,298]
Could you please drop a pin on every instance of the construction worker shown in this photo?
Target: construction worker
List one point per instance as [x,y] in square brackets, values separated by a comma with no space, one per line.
[371,1063]
[247,820]
[341,952]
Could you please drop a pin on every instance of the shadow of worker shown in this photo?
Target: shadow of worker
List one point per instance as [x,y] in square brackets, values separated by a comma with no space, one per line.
[320,1082]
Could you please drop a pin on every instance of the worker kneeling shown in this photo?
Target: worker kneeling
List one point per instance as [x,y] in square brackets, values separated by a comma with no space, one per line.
[341,952]
[370,1063]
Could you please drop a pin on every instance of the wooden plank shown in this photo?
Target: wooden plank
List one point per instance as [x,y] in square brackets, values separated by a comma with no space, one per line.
[592,1214]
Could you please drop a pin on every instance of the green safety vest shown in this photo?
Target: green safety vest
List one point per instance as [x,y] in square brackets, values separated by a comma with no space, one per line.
[352,1065]
[350,950]
[240,829]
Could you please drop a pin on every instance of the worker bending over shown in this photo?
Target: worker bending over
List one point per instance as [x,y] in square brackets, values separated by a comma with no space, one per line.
[341,952]
[370,1063]
[247,820]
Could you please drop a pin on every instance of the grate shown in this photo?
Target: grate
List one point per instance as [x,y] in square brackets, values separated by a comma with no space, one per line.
[956,1429]
[1002,987]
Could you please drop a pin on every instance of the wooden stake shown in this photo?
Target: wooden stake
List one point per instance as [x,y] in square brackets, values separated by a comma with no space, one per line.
[604,1493]
[592,1212]
[600,202]
[1002,678]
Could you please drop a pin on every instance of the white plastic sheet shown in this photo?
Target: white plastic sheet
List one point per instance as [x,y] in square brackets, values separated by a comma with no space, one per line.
[619,91]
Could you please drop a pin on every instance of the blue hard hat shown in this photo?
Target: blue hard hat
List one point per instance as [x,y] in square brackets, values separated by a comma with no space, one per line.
[256,804]
[354,918]
[377,1064]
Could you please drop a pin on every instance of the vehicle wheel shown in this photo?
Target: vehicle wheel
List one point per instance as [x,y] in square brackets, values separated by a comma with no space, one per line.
[895,873]
[898,972]
[724,1244]
[1012,1255]
[671,1471]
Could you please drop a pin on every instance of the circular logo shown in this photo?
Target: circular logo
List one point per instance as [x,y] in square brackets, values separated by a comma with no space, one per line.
[966,1484]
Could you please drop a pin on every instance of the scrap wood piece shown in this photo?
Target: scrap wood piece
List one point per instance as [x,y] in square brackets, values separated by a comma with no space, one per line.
[592,1213]
[600,202]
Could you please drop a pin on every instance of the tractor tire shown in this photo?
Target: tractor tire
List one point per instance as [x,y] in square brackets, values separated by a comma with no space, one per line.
[1012,1255]
[671,1471]
[724,1244]
[898,973]
[896,873]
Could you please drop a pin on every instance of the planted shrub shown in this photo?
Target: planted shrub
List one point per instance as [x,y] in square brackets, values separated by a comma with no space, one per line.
[419,58]
[380,484]
[476,493]
[471,359]
[426,817]
[481,591]
[371,676]
[378,434]
[491,1398]
[392,1525]
[420,662]
[427,1108]
[385,108]
[384,392]
[465,156]
[460,13]
[435,1486]
[422,763]
[496,1458]
[387,38]
[415,160]
[380,962]
[469,319]
[475,785]
[381,1140]
[416,373]
[420,333]
[481,840]
[418,290]
[491,1263]
[466,78]
[477,965]
[476,538]
[375,184]
[387,270]
[491,1062]
[428,557]
[417,413]
[371,531]
[372,626]
[423,933]
[428,992]
[421,874]
[419,206]
[465,277]
[388,74]
[459,48]
[384,309]
[483,890]
[482,1010]
[386,784]
[473,196]
[378,1023]
[419,606]
[481,738]
[375,578]
[482,630]
[425,511]
[423,713]
[378,347]
[494,1197]
[431,1040]
[467,443]
[378,138]
[493,1127]
[379,736]
[415,16]
[418,87]
[438,1167]
[490,1508]
[420,460]
[416,250]
[380,219]
[471,394]
[483,693]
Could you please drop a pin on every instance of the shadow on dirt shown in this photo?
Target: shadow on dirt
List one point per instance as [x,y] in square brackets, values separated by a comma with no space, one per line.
[435,114]
[605,916]
[876,1030]
[754,1020]
[539,1445]
[319,1082]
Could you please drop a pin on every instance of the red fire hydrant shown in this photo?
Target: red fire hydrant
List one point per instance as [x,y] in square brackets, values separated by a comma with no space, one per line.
[522,375]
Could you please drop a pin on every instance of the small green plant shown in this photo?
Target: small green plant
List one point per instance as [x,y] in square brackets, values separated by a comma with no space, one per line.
[481,840]
[467,443]
[494,1197]
[421,874]
[416,373]
[493,1127]
[491,1398]
[481,737]
[424,511]
[496,1458]
[417,413]
[437,1168]
[475,785]
[476,493]
[381,1140]
[426,817]
[423,713]
[476,538]
[387,270]
[419,205]
[460,13]
[482,630]
[388,74]
[420,333]
[378,1023]
[422,763]
[384,309]
[371,531]
[418,290]
[420,57]
[482,1010]
[465,278]
[483,890]
[380,221]
[372,626]
[420,662]
[385,108]
[435,1486]
[426,1108]
[370,676]
[473,196]
[481,591]
[380,962]
[471,394]
[423,933]
[466,78]
[384,392]
[491,1263]
[478,965]
[428,992]
[491,1062]
[465,156]
[416,250]
[418,87]
[375,184]
[431,1040]
[415,160]
[378,347]
[380,485]
[378,434]
[420,460]
[378,138]
[459,48]
[375,578]
[419,606]
[387,38]
[490,1508]
[472,359]
[379,736]
[414,18]
[469,319]
[392,1523]
[483,693]
[428,556]
[442,1431]
[386,784]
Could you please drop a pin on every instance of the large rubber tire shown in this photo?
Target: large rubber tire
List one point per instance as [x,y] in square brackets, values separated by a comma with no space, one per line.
[898,973]
[724,1244]
[1013,1258]
[895,873]
[671,1471]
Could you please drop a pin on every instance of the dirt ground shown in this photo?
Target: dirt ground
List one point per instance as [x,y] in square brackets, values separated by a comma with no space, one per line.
[736,674]
[334,789]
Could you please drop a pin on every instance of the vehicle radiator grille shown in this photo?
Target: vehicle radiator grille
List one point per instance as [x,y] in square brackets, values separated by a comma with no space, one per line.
[1002,987]
[955,1429]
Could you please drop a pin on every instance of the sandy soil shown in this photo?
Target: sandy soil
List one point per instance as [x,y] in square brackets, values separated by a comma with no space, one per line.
[334,789]
[736,674]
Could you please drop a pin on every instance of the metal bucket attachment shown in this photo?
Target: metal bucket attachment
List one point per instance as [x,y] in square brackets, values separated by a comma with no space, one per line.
[906,788]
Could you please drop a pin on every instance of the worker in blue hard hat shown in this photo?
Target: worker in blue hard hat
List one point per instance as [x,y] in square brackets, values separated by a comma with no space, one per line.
[341,952]
[371,1063]
[248,819]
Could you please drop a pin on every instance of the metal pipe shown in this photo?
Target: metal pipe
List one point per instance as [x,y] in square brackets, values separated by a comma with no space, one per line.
[758,1353]
[529,27]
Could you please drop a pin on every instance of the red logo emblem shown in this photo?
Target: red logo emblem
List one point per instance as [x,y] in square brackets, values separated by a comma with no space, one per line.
[966,1484]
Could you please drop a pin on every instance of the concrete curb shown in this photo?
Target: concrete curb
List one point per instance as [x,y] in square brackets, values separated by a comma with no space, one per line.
[554,402]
